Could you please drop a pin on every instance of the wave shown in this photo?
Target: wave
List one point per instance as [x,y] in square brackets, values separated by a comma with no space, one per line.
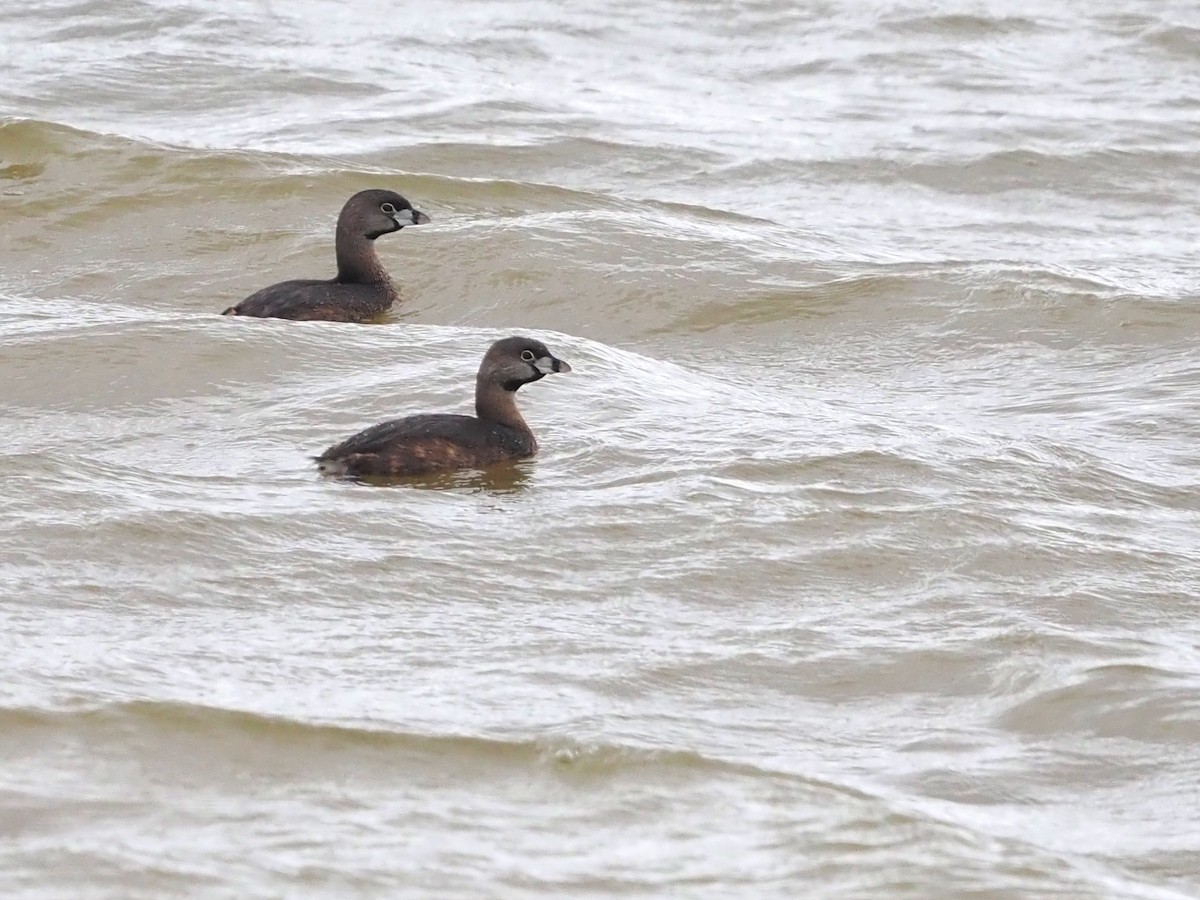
[213,731]
[961,25]
[121,170]
[1178,40]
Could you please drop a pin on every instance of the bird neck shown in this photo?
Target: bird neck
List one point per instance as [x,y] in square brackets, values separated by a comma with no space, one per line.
[494,403]
[357,261]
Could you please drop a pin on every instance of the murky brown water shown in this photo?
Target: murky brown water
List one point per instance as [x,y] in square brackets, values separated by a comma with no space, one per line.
[860,559]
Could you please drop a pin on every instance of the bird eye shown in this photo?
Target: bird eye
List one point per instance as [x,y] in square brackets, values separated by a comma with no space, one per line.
[388,209]
[527,355]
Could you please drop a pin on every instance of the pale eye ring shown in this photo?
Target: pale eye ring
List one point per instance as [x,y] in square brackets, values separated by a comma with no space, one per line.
[388,209]
[527,355]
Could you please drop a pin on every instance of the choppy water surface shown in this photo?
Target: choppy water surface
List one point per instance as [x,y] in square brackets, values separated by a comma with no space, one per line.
[861,556]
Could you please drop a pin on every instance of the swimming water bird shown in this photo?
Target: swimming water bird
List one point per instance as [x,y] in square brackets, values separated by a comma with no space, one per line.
[362,288]
[424,444]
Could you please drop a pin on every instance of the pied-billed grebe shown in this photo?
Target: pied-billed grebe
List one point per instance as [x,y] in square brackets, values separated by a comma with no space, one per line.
[419,445]
[362,289]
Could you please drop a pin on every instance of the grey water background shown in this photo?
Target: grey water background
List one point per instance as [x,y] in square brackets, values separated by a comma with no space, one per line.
[861,556]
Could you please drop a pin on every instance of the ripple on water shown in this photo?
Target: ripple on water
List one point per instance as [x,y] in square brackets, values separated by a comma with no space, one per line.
[860,551]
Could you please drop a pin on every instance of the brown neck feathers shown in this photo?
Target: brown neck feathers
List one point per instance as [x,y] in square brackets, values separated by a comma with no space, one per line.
[494,403]
[357,260]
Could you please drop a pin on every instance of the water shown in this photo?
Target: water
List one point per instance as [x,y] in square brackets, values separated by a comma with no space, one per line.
[860,558]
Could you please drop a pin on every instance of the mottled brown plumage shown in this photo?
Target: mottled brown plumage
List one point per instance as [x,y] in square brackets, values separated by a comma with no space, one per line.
[362,289]
[423,444]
